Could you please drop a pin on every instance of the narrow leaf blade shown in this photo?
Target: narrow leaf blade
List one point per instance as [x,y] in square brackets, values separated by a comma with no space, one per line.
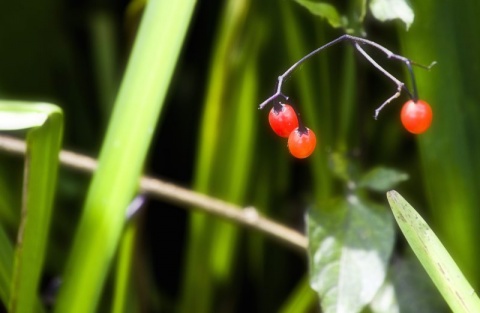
[41,166]
[441,268]
[137,107]
[6,265]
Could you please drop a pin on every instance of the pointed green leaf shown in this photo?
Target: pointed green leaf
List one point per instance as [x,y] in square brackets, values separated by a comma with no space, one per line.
[448,153]
[16,115]
[385,10]
[382,179]
[325,10]
[441,268]
[41,166]
[350,245]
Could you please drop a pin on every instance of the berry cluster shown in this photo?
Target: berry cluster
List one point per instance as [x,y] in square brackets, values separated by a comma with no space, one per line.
[285,123]
[416,115]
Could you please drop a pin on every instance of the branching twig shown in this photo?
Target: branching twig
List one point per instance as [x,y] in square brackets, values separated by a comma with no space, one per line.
[357,41]
[400,85]
[183,197]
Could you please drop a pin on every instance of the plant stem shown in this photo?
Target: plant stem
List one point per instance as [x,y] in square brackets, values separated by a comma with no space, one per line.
[356,41]
[186,198]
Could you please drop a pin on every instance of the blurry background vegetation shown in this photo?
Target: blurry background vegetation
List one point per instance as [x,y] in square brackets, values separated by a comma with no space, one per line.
[212,138]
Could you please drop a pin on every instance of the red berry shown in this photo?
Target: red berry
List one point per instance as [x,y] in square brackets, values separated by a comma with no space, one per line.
[283,121]
[301,143]
[416,116]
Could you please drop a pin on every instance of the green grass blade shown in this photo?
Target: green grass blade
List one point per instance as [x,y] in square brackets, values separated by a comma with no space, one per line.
[452,179]
[10,188]
[443,270]
[6,266]
[105,59]
[302,299]
[239,157]
[308,103]
[138,104]
[41,166]
[201,260]
[123,289]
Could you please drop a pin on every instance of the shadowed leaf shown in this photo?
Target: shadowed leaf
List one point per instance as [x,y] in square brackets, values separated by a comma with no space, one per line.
[385,10]
[350,245]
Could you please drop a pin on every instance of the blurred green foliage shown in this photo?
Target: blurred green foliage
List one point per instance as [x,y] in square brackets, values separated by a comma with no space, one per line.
[212,138]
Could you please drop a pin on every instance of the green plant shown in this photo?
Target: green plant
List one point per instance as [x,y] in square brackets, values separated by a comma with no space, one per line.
[241,186]
[441,268]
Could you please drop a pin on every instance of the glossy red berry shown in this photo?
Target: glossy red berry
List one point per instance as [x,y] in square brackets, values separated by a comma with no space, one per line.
[283,121]
[301,143]
[416,116]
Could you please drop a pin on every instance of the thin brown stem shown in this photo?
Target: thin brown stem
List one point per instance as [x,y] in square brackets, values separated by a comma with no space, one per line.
[357,42]
[165,191]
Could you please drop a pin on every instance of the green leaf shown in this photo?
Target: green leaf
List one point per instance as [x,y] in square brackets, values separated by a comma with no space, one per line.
[382,179]
[213,245]
[441,268]
[6,265]
[16,115]
[325,10]
[41,167]
[385,10]
[137,108]
[361,8]
[340,166]
[452,193]
[350,245]
[302,299]
[123,289]
[385,300]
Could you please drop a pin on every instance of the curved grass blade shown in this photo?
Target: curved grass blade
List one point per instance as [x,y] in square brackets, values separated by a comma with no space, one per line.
[441,268]
[40,176]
